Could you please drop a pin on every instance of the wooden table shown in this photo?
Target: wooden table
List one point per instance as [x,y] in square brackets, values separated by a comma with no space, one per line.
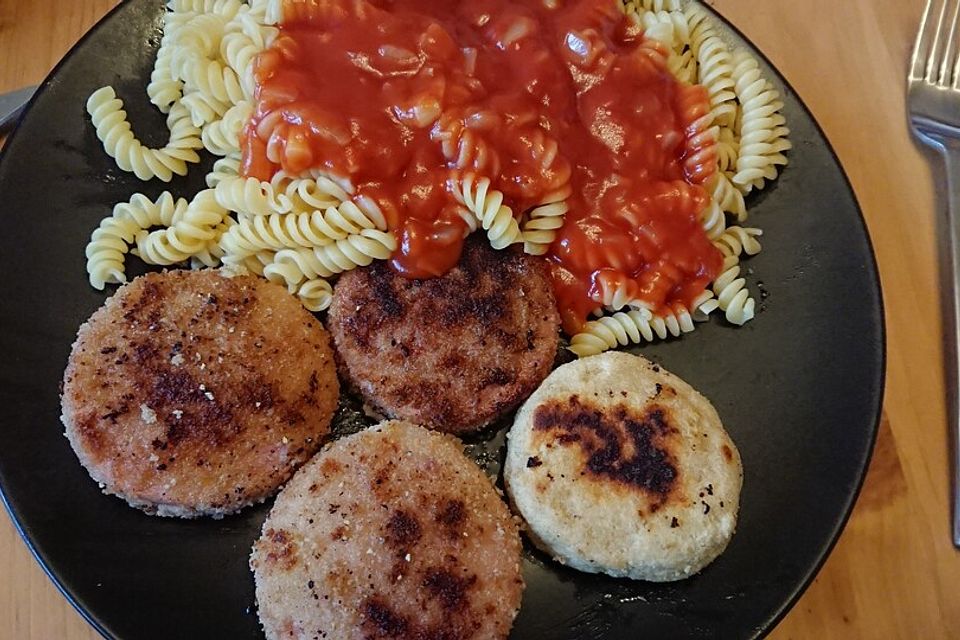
[894,572]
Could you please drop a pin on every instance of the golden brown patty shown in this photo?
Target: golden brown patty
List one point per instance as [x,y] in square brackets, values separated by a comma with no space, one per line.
[451,353]
[393,534]
[190,393]
[621,467]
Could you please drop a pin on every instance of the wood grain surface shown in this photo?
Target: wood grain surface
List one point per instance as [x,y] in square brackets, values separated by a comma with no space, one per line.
[894,572]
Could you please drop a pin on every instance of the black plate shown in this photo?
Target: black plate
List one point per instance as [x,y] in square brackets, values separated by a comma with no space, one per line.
[799,389]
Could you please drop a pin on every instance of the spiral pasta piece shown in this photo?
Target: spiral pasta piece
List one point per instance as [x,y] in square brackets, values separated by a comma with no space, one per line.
[213,79]
[728,150]
[163,89]
[310,194]
[191,235]
[223,169]
[222,138]
[203,107]
[251,264]
[352,217]
[700,156]
[113,129]
[293,266]
[637,326]
[463,147]
[315,295]
[247,196]
[732,294]
[487,205]
[270,10]
[246,36]
[668,27]
[212,253]
[614,292]
[542,222]
[299,230]
[637,6]
[683,66]
[110,242]
[224,8]
[715,64]
[198,36]
[705,304]
[540,229]
[714,220]
[210,87]
[271,233]
[728,197]
[737,241]
[763,131]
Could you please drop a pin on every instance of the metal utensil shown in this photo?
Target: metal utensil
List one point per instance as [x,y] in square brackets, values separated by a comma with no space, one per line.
[12,105]
[933,101]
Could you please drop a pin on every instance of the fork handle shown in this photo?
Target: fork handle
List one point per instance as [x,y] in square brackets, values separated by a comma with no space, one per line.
[951,327]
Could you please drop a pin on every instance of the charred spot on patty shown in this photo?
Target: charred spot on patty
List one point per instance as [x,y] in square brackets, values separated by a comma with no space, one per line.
[279,549]
[382,620]
[403,530]
[451,517]
[450,590]
[617,443]
[727,453]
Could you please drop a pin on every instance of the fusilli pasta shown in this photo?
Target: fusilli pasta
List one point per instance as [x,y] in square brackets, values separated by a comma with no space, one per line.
[222,137]
[113,129]
[487,205]
[762,127]
[637,326]
[316,295]
[635,6]
[737,241]
[223,169]
[294,266]
[732,294]
[278,231]
[129,222]
[714,220]
[715,65]
[193,234]
[247,196]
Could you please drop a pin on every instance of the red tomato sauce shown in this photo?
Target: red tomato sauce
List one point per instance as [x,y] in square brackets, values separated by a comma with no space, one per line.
[537,95]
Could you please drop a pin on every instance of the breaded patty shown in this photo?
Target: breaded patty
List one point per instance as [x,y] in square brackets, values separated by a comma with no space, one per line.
[451,353]
[622,468]
[190,393]
[393,534]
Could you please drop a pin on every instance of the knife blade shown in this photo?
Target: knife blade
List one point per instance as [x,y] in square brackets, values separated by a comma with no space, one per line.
[12,105]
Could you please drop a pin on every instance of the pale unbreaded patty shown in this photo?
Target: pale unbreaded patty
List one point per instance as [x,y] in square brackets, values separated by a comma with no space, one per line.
[451,353]
[190,393]
[620,467]
[393,534]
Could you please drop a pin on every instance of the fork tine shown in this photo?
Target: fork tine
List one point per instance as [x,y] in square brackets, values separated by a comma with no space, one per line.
[956,72]
[950,47]
[921,49]
[933,58]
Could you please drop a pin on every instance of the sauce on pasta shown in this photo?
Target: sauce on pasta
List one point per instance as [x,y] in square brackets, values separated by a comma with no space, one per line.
[549,99]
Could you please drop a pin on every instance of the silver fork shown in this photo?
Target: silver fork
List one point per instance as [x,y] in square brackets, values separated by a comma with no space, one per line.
[12,105]
[933,100]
